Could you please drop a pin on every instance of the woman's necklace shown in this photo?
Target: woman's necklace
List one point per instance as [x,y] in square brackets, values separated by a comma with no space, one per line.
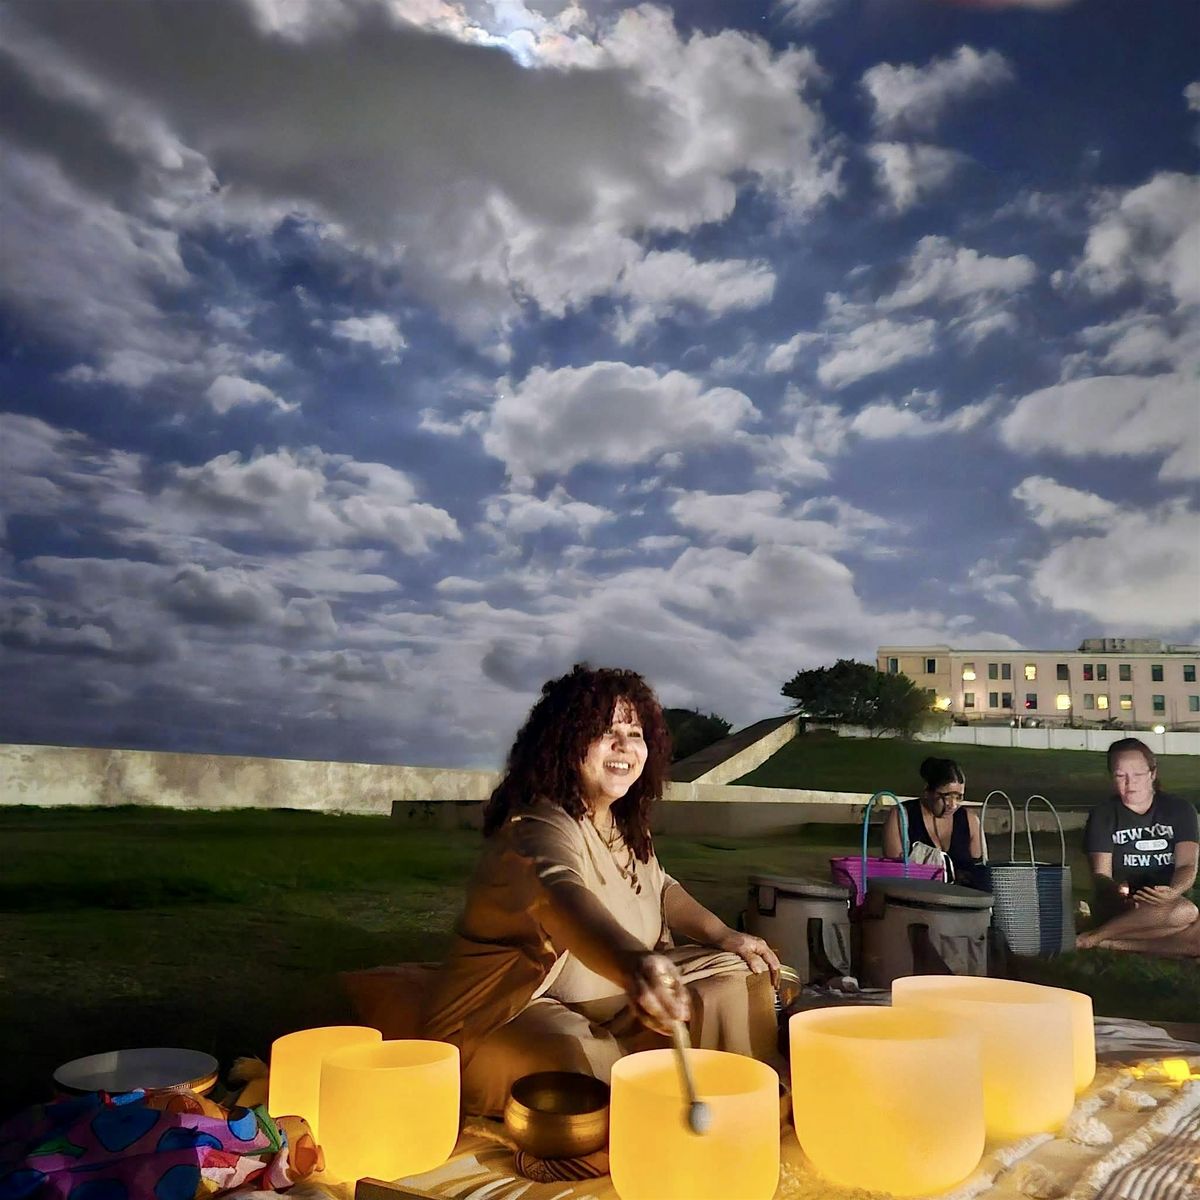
[937,833]
[612,839]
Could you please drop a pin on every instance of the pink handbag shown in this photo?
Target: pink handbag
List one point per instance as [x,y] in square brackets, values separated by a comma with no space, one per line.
[855,871]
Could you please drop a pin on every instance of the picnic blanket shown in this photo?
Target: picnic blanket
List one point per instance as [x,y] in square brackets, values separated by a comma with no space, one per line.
[129,1146]
[1134,1135]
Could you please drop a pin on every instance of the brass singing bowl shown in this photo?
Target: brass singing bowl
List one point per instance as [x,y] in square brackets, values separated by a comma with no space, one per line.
[558,1114]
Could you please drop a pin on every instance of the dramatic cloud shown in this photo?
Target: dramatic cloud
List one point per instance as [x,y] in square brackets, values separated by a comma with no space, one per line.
[801,14]
[940,271]
[1052,504]
[1108,576]
[911,97]
[608,412]
[228,391]
[1112,416]
[1151,236]
[657,284]
[909,174]
[378,331]
[528,187]
[874,347]
[761,517]
[311,495]
[519,513]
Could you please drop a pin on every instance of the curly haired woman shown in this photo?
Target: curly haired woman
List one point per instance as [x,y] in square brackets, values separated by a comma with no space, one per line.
[563,958]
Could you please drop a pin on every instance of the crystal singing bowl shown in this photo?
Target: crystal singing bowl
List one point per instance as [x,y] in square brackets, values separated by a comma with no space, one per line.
[389,1109]
[1083,1026]
[654,1155]
[1026,1048]
[887,1100]
[295,1079]
[558,1114]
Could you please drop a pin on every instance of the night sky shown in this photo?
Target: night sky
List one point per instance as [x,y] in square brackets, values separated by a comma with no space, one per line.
[364,363]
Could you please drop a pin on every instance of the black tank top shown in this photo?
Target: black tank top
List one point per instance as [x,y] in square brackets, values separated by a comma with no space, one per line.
[960,838]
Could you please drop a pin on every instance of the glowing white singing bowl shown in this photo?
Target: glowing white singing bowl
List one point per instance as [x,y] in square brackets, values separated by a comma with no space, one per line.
[1028,1054]
[1083,1024]
[653,1155]
[887,1100]
[294,1083]
[389,1109]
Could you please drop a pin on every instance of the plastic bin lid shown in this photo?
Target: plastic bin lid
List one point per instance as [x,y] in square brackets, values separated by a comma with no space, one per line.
[813,888]
[931,892]
[152,1068]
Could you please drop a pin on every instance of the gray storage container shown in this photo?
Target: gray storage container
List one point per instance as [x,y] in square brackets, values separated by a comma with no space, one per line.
[805,922]
[921,927]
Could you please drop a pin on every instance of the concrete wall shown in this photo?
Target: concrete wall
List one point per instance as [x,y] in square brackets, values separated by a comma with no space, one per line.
[710,810]
[62,775]
[1046,738]
[48,776]
[754,755]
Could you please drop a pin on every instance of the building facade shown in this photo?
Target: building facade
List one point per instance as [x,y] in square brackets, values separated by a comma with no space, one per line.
[1136,683]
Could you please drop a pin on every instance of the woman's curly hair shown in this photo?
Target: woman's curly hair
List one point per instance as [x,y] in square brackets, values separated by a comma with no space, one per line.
[545,758]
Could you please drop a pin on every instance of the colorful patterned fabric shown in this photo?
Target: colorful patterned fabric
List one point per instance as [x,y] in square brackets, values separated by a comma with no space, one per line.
[131,1147]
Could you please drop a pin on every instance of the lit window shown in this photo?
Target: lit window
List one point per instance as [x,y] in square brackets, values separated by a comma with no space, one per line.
[1156,673]
[1102,701]
[1062,671]
[1127,702]
[1031,671]
[1189,673]
[968,699]
[1125,672]
[1194,704]
[993,699]
[1089,700]
[1087,672]
[1159,703]
[1006,699]
[1062,701]
[1102,672]
[969,670]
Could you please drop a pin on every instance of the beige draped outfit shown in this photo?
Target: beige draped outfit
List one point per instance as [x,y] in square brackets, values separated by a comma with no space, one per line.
[515,1003]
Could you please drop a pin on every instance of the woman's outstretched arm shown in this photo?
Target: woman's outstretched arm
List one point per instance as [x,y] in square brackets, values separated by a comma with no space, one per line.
[688,918]
[577,921]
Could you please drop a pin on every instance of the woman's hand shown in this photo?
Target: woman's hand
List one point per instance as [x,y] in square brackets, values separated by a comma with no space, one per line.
[657,992]
[754,952]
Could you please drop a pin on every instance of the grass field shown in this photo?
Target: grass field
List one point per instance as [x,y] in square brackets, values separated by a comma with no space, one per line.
[1068,778]
[220,931]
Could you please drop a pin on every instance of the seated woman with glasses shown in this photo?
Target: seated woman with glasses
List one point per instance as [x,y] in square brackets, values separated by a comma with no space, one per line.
[1142,846]
[564,958]
[936,818]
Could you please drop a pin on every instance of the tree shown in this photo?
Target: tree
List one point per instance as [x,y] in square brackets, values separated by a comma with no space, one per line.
[692,730]
[857,694]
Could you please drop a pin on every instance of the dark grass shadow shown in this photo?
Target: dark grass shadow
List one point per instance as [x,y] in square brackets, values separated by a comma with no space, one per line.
[210,981]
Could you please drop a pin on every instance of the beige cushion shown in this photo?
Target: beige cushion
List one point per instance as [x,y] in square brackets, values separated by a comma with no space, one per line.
[391,998]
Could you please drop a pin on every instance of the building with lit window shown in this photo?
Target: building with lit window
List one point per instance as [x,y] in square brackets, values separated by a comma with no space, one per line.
[1136,683]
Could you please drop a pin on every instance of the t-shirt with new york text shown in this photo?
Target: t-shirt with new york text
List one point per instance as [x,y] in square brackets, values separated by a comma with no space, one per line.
[1142,845]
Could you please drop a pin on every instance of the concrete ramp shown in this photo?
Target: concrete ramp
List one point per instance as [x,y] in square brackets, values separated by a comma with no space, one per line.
[735,755]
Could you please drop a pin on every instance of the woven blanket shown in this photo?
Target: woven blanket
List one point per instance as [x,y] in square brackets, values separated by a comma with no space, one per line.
[1133,1135]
